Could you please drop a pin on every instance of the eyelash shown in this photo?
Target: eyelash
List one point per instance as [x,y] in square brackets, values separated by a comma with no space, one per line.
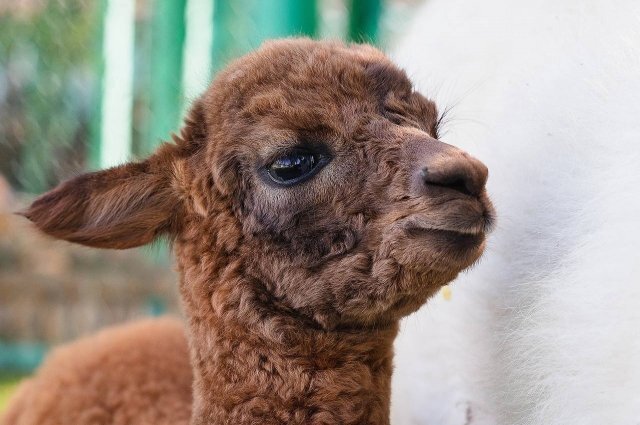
[397,118]
[440,122]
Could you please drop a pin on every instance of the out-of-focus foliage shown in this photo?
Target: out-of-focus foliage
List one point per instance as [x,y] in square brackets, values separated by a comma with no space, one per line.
[47,88]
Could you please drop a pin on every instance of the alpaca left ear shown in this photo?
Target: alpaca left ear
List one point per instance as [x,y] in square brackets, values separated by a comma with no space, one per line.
[125,206]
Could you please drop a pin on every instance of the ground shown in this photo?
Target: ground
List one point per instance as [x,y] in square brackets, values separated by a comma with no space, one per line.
[8,384]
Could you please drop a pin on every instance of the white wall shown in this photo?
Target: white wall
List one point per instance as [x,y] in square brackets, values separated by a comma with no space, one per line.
[546,329]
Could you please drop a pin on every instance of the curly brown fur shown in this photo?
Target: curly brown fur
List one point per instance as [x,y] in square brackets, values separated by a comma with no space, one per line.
[293,294]
[135,374]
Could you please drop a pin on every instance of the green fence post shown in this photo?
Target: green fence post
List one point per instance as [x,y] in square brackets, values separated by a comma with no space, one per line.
[117,83]
[196,53]
[283,18]
[93,150]
[167,40]
[364,20]
[222,46]
[242,25]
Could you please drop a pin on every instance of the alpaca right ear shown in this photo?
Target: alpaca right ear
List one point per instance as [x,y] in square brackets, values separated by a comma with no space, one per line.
[124,206]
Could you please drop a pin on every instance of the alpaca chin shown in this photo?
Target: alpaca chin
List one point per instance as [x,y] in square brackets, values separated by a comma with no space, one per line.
[545,329]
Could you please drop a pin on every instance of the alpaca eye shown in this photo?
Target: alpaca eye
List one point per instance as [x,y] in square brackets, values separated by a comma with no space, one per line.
[294,167]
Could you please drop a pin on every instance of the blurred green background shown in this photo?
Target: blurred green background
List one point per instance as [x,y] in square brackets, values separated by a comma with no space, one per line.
[86,84]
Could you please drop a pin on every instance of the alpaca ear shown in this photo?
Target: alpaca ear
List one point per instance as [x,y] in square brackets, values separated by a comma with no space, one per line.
[125,206]
[122,207]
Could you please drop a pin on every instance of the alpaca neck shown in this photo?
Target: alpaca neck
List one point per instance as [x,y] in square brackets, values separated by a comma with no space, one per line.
[254,363]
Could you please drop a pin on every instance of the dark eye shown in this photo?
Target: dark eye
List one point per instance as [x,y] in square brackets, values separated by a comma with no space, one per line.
[295,166]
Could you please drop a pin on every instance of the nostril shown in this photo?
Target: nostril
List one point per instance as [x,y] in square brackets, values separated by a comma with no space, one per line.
[457,182]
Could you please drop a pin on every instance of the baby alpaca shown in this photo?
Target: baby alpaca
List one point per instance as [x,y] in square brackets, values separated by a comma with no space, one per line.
[311,207]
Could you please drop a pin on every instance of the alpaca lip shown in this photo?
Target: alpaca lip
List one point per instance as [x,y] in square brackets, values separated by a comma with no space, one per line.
[459,233]
[478,224]
[452,242]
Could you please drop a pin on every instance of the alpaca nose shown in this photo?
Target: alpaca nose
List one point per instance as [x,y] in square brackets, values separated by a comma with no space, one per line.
[467,175]
[447,167]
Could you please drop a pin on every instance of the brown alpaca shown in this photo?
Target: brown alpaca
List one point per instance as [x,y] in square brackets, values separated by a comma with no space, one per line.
[311,207]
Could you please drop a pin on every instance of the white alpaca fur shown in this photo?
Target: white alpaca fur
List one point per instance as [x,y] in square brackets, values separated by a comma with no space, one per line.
[546,329]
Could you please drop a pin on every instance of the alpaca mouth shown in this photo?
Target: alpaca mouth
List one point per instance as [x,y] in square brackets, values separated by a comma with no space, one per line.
[458,239]
[474,221]
[444,249]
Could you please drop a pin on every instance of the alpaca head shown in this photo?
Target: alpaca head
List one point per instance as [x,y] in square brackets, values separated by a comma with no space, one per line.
[313,166]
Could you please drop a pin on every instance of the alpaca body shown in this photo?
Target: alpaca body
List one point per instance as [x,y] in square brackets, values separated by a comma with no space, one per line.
[141,374]
[129,374]
[545,330]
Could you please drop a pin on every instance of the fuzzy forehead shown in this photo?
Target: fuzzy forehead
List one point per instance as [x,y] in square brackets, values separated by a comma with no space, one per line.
[300,91]
[321,77]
